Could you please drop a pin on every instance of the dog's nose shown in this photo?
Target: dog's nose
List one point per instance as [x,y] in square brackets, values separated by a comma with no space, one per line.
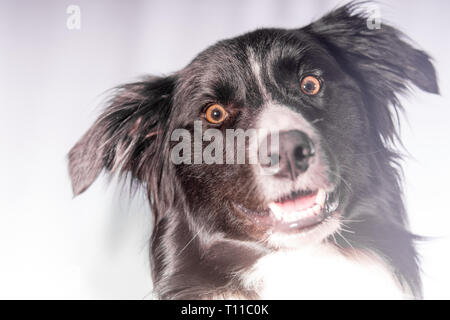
[294,154]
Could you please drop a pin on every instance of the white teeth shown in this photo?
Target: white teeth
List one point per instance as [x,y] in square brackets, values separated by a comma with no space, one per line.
[321,196]
[290,218]
[317,209]
[280,214]
[293,216]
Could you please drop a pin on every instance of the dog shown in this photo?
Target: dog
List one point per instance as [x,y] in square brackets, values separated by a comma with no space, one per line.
[324,218]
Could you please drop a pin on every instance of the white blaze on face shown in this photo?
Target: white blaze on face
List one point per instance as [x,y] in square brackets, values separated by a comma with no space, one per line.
[257,73]
[273,119]
[277,117]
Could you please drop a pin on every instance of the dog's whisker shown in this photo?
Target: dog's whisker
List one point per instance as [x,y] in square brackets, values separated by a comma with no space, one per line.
[317,120]
[343,238]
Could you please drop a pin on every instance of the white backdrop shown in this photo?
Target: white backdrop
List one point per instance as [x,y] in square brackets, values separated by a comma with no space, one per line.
[51,84]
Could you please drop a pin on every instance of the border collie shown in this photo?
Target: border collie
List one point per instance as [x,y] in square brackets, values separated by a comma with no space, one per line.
[324,217]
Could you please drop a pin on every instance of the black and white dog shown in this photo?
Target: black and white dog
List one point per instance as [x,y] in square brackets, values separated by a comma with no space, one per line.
[329,221]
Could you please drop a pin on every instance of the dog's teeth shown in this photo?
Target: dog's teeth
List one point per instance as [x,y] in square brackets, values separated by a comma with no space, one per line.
[278,213]
[298,215]
[320,199]
[317,209]
[289,217]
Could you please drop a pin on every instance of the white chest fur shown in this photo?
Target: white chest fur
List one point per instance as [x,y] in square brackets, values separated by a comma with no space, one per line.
[322,272]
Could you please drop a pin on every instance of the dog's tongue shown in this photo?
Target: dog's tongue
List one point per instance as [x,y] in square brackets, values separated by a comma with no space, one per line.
[300,203]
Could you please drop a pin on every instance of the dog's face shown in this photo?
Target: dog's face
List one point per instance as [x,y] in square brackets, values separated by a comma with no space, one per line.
[273,81]
[325,91]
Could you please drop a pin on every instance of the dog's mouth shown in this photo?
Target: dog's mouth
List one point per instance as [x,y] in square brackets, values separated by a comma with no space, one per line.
[298,211]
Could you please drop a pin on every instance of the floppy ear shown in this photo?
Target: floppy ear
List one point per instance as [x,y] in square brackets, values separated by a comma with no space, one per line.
[127,136]
[380,59]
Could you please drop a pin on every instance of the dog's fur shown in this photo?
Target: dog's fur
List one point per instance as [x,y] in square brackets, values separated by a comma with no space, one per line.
[200,246]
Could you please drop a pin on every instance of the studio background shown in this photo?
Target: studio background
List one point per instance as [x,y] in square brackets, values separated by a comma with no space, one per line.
[52,83]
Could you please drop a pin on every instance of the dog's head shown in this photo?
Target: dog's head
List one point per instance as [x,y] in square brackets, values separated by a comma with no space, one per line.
[322,101]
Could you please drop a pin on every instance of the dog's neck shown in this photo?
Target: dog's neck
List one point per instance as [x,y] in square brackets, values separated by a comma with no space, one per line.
[322,272]
[316,271]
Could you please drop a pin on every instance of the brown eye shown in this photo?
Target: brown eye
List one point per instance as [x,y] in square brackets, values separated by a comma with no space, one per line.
[216,114]
[310,85]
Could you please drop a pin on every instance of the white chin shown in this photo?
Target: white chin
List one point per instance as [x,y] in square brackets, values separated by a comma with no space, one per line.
[315,235]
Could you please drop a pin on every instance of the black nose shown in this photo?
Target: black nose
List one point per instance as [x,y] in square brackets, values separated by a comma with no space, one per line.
[294,154]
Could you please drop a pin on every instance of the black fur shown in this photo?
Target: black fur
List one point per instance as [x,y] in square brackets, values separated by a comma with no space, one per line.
[198,243]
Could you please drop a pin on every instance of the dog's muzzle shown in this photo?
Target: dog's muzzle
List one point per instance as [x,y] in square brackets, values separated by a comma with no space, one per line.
[292,155]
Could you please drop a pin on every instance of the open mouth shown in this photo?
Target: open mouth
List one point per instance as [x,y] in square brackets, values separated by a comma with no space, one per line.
[297,211]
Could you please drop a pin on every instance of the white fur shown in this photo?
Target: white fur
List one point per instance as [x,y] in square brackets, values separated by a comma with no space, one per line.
[256,69]
[322,272]
[278,118]
[312,237]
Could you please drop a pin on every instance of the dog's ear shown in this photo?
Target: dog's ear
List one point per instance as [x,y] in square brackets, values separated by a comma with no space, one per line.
[126,136]
[381,59]
[380,54]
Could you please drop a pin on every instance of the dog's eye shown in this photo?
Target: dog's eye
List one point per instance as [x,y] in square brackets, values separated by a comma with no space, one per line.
[310,85]
[216,114]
